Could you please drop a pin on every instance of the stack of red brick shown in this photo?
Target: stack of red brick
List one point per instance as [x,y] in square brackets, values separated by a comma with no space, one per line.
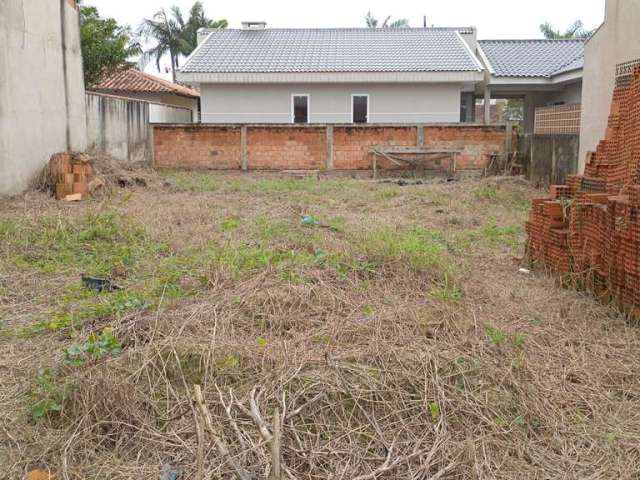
[591,226]
[70,174]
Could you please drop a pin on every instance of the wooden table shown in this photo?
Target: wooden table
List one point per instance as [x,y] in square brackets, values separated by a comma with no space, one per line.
[399,156]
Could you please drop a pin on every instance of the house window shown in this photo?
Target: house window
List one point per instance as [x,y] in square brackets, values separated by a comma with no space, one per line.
[300,108]
[359,108]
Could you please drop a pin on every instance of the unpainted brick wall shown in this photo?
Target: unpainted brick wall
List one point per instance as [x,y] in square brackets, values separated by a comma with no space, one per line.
[476,144]
[272,148]
[351,145]
[216,148]
[305,147]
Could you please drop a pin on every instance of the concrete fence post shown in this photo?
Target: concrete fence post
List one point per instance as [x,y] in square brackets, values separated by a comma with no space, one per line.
[420,135]
[244,154]
[509,138]
[329,160]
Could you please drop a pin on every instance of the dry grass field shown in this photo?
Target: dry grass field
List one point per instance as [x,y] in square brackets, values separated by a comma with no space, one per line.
[339,329]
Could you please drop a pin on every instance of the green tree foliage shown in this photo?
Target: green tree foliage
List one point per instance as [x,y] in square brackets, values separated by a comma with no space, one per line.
[373,22]
[576,30]
[173,35]
[198,20]
[106,46]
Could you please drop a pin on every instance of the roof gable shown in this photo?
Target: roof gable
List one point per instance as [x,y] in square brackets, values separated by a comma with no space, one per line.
[333,50]
[533,58]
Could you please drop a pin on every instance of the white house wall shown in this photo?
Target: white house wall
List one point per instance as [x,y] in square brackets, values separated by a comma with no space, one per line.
[37,118]
[330,103]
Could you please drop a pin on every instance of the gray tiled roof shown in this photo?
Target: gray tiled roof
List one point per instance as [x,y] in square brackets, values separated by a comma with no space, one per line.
[533,58]
[332,50]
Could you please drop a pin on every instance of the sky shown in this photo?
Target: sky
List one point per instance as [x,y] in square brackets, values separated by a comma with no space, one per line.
[494,19]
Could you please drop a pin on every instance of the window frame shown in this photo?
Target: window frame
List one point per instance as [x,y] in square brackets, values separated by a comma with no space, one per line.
[293,107]
[353,95]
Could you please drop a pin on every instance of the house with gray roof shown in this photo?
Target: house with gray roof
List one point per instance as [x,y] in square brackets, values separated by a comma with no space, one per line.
[362,75]
[544,73]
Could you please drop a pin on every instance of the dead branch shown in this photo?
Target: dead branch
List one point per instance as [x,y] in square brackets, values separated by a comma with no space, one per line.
[220,445]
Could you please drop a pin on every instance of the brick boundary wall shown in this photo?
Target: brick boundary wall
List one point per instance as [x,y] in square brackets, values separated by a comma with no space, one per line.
[320,147]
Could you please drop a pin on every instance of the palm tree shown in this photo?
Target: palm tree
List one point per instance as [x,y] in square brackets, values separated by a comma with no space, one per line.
[574,31]
[173,35]
[169,36]
[198,20]
[373,22]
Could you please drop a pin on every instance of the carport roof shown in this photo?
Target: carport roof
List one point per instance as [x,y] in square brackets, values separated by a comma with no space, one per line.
[533,58]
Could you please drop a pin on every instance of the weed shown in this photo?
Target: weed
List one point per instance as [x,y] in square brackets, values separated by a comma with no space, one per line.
[417,248]
[48,397]
[230,362]
[502,235]
[279,185]
[507,198]
[94,244]
[108,304]
[447,292]
[518,340]
[368,310]
[434,408]
[388,193]
[495,335]
[230,224]
[95,348]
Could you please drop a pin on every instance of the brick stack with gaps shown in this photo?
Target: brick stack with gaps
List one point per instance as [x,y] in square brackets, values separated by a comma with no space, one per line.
[71,175]
[591,227]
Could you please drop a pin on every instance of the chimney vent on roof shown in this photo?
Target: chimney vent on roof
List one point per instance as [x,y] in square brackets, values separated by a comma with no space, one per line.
[254,25]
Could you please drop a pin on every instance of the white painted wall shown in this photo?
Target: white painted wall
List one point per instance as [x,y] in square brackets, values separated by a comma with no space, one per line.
[617,41]
[168,114]
[37,117]
[331,103]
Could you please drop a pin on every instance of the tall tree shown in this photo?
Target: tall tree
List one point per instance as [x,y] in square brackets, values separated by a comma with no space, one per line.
[106,46]
[576,30]
[173,35]
[197,20]
[373,22]
[168,33]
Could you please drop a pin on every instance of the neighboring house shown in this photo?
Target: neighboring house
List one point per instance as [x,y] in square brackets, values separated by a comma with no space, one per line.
[609,53]
[42,109]
[132,83]
[357,75]
[542,72]
[352,75]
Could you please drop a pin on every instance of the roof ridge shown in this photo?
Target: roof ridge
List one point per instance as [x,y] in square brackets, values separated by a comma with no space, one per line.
[346,29]
[508,40]
[566,64]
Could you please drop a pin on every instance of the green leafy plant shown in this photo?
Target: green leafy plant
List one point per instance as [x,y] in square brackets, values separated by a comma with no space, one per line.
[48,396]
[96,347]
[434,408]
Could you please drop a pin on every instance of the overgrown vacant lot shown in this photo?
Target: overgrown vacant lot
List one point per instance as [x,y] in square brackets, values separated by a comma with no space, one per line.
[388,327]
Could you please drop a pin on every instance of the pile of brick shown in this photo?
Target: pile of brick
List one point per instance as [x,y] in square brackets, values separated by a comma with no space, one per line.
[70,174]
[591,226]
